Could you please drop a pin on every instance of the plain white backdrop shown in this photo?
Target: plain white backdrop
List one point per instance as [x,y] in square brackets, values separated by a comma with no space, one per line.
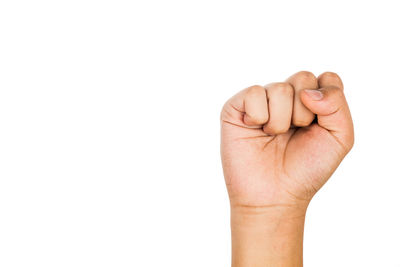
[109,127]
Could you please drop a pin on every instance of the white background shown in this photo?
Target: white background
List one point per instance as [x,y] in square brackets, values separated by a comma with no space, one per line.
[109,127]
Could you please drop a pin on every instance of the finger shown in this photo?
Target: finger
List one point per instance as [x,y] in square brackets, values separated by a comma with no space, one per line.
[280,105]
[248,107]
[302,80]
[332,111]
[328,79]
[255,106]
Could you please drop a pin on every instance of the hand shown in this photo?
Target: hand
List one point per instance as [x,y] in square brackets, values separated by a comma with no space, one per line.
[279,145]
[273,150]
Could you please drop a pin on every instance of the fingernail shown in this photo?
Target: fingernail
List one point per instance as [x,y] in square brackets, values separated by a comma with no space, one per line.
[314,94]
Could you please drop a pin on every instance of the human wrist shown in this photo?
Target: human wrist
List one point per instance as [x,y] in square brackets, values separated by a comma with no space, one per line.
[280,218]
[268,234]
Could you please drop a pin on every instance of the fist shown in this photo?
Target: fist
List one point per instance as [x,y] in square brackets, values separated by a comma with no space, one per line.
[280,143]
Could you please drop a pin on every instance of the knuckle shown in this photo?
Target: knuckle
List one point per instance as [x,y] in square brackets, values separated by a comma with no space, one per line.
[255,90]
[306,75]
[330,75]
[331,78]
[282,87]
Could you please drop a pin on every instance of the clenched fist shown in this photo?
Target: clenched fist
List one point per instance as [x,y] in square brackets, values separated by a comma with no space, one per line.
[281,142]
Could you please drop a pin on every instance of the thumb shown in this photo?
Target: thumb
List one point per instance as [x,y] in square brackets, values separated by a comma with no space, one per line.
[330,106]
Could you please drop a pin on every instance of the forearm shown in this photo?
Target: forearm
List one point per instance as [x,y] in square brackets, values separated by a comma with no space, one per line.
[267,236]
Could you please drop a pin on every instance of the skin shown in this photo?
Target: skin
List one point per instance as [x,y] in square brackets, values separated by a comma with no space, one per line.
[280,143]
